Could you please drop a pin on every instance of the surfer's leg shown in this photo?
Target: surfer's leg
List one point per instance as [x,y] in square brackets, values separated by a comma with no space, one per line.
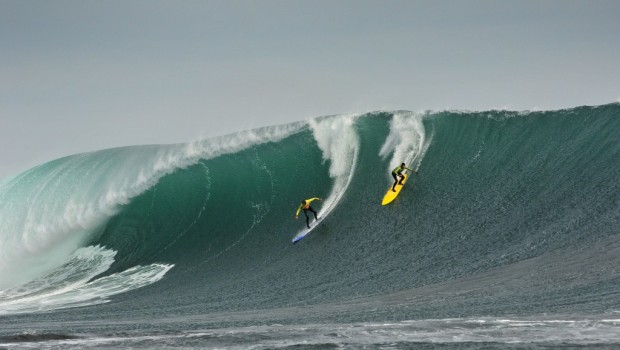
[312,210]
[395,182]
[402,177]
[307,218]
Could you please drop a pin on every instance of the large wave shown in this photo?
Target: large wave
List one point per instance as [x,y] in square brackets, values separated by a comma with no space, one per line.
[493,190]
[51,212]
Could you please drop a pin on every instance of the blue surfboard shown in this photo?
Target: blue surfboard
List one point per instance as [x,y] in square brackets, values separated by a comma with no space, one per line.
[306,232]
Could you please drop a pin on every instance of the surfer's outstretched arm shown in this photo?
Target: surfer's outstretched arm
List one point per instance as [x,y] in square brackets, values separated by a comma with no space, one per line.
[313,199]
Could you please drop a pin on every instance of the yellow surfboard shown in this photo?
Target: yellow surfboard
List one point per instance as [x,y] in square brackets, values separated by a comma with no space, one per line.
[391,195]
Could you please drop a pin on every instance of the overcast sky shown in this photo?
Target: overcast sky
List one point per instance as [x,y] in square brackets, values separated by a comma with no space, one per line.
[78,76]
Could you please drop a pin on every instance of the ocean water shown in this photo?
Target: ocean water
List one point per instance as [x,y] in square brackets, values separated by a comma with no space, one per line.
[508,237]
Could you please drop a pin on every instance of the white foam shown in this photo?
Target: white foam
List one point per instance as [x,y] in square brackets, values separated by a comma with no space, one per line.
[339,142]
[438,331]
[398,334]
[69,286]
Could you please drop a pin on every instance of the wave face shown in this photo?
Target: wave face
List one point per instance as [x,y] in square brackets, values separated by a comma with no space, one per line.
[520,210]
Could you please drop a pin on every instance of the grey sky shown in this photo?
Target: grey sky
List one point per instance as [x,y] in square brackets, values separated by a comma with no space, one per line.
[77,76]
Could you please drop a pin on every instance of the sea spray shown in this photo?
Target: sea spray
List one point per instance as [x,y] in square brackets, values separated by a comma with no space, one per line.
[339,142]
[406,141]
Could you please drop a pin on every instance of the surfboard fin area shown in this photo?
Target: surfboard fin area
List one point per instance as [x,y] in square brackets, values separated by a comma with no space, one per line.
[306,231]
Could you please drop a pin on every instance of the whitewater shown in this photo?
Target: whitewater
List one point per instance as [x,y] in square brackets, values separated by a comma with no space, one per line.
[507,237]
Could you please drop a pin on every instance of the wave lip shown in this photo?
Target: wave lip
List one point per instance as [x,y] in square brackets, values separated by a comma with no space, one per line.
[49,211]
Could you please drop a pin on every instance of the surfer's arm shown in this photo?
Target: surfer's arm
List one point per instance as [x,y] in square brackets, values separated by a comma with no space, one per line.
[298,210]
[312,199]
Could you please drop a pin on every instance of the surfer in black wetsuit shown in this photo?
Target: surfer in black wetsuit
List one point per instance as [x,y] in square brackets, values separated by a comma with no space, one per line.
[397,174]
[305,205]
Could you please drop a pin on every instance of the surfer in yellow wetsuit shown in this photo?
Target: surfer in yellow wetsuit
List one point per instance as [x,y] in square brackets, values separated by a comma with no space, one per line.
[397,174]
[305,205]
